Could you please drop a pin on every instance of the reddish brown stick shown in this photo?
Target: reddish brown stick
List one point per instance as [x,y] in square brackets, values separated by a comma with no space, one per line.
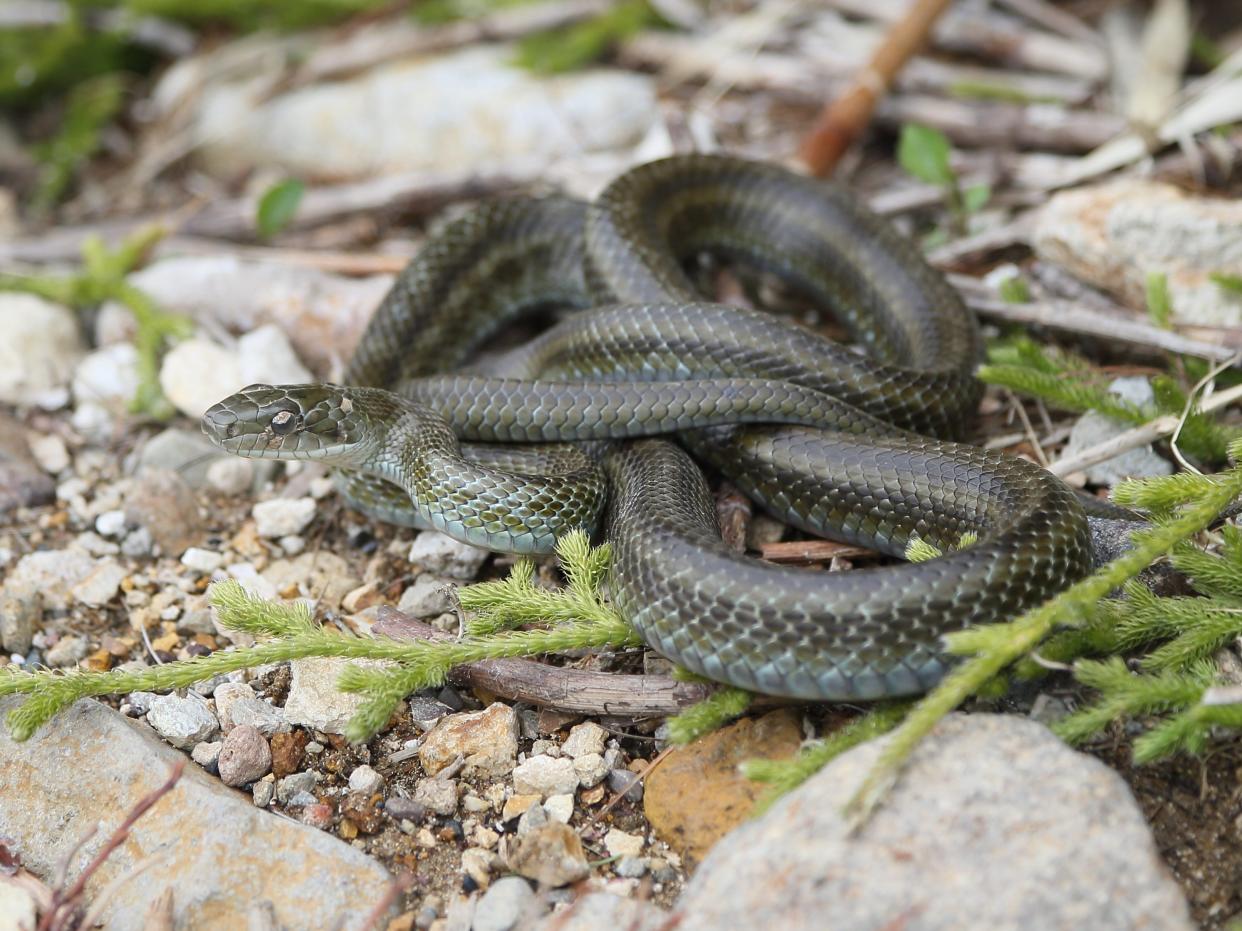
[843,120]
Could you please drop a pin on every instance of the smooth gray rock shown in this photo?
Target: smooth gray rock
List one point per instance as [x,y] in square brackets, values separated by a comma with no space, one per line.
[504,904]
[995,823]
[187,452]
[597,910]
[20,611]
[211,844]
[1093,428]
[544,776]
[429,596]
[442,555]
[183,722]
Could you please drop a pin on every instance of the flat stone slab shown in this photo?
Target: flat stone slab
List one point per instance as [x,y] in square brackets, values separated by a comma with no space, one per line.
[223,858]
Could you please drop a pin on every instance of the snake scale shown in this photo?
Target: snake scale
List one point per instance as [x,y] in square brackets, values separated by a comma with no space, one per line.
[836,442]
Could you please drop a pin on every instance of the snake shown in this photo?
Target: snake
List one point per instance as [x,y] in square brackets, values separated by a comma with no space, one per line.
[605,419]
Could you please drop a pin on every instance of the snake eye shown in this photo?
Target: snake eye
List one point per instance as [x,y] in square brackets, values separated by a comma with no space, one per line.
[284,423]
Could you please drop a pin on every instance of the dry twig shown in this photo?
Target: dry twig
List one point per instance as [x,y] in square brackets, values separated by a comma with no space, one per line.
[842,122]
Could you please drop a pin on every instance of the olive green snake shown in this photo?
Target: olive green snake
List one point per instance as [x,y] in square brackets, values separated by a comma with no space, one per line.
[828,439]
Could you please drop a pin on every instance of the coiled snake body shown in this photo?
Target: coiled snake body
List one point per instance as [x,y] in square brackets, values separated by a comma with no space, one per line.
[824,438]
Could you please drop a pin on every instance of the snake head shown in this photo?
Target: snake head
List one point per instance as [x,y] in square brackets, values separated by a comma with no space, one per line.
[325,422]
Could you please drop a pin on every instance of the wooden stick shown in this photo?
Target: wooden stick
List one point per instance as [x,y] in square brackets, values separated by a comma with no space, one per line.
[809,551]
[1075,318]
[842,122]
[1139,436]
[560,687]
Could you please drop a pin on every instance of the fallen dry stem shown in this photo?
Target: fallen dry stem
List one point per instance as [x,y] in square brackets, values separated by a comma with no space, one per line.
[1140,435]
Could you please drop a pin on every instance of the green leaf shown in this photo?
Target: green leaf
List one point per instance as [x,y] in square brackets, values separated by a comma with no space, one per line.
[976,196]
[277,206]
[1230,283]
[924,153]
[1159,304]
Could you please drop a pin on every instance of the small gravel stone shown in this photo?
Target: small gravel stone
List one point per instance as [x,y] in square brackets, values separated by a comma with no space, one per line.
[257,713]
[366,780]
[183,722]
[442,555]
[138,543]
[20,611]
[487,740]
[297,784]
[262,793]
[52,573]
[620,844]
[661,870]
[535,817]
[101,584]
[583,739]
[438,795]
[140,702]
[429,596]
[591,769]
[622,780]
[164,503]
[630,867]
[231,476]
[50,452]
[110,524]
[545,747]
[477,864]
[544,776]
[314,701]
[405,809]
[484,837]
[244,757]
[207,754]
[506,903]
[227,694]
[551,854]
[200,560]
[317,815]
[67,651]
[560,808]
[282,517]
[515,806]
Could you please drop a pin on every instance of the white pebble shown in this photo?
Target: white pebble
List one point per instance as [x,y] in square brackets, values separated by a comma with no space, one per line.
[50,452]
[283,517]
[366,780]
[292,544]
[110,524]
[200,560]
[621,844]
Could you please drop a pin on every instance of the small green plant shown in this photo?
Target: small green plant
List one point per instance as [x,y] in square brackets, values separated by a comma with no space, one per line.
[925,153]
[580,44]
[1159,303]
[1066,382]
[277,206]
[102,279]
[91,106]
[1231,284]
